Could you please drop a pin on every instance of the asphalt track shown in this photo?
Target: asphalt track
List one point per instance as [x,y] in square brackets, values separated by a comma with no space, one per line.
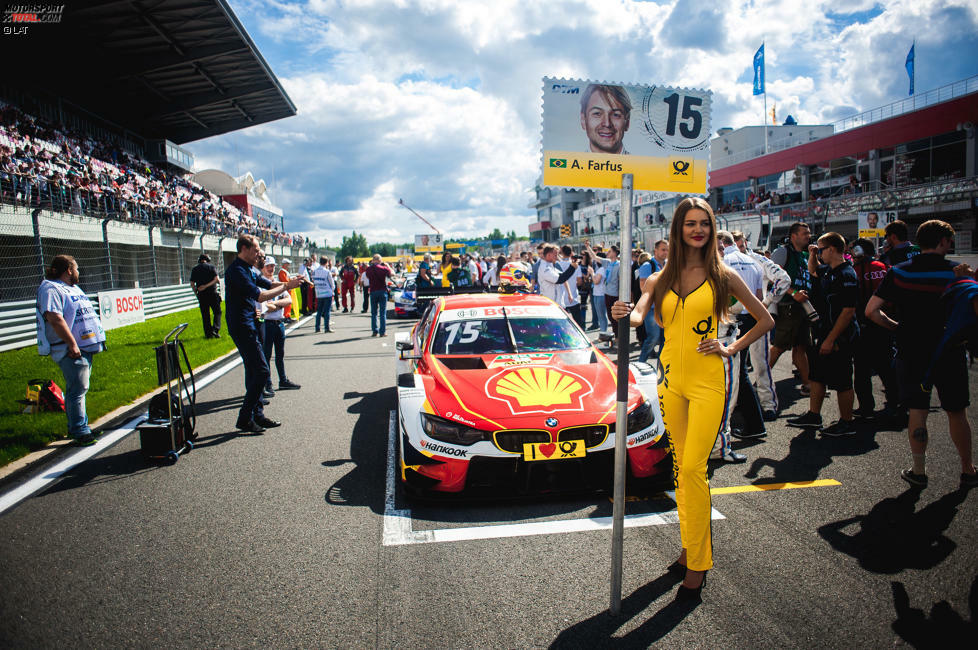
[292,539]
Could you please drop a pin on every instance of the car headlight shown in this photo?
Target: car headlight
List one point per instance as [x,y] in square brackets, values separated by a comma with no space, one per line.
[451,432]
[641,417]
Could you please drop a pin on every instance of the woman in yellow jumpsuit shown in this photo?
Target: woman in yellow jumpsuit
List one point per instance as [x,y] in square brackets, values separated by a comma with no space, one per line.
[691,295]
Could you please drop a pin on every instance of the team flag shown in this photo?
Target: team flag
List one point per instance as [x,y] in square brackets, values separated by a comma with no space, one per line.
[759,71]
[909,65]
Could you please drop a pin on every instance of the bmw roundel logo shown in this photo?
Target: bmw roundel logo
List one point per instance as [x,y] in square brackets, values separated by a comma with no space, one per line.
[551,422]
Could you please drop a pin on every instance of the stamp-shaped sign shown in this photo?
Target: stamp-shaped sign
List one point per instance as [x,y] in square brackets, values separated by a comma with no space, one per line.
[595,132]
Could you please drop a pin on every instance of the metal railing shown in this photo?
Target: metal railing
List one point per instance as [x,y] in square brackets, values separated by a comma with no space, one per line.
[18,320]
[111,254]
[32,191]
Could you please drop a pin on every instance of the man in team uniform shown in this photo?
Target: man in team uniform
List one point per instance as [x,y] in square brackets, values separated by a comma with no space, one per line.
[914,288]
[835,296]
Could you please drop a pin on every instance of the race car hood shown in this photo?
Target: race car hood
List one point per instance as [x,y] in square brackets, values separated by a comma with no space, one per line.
[519,391]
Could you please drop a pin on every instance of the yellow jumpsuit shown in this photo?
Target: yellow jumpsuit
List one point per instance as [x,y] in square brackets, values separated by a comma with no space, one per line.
[693,396]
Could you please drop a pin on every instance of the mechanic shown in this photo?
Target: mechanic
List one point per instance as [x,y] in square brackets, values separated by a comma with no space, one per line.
[836,295]
[897,246]
[914,288]
[348,283]
[792,330]
[777,283]
[424,280]
[241,293]
[874,354]
[204,282]
[742,395]
[691,295]
[69,330]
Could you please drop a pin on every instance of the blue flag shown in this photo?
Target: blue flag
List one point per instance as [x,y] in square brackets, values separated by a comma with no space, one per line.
[759,71]
[909,65]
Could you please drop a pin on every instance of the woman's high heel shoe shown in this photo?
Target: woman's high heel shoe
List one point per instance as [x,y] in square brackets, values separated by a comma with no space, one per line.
[691,593]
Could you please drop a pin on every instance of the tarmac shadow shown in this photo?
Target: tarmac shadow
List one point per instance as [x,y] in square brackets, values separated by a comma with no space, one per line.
[363,484]
[598,631]
[102,469]
[942,628]
[894,536]
[809,454]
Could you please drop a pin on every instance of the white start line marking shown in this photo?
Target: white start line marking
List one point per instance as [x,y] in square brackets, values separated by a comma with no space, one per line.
[398,530]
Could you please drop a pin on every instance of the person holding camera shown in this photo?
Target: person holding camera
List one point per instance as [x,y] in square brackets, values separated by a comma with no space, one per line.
[836,296]
[791,330]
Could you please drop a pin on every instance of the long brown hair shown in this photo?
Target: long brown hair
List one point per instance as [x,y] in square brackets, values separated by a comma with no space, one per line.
[716,273]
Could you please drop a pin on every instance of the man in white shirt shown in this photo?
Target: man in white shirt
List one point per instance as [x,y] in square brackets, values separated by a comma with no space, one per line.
[273,312]
[548,276]
[568,293]
[324,284]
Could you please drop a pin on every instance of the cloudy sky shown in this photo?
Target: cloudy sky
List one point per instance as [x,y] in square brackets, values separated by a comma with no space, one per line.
[438,102]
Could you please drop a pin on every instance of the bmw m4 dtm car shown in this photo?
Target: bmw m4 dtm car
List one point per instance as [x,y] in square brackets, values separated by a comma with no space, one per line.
[505,395]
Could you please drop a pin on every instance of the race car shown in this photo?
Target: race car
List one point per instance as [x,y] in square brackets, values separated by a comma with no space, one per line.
[405,304]
[505,394]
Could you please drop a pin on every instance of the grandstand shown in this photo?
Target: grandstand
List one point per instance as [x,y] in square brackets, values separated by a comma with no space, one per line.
[91,162]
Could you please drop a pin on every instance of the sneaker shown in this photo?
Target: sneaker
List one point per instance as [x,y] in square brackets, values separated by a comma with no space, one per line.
[268,392]
[770,416]
[84,440]
[374,334]
[345,310]
[806,421]
[329,329]
[917,480]
[969,480]
[268,423]
[840,428]
[865,413]
[250,426]
[740,434]
[288,385]
[805,391]
[729,457]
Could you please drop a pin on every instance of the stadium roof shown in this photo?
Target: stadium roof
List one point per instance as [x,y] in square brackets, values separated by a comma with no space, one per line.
[176,69]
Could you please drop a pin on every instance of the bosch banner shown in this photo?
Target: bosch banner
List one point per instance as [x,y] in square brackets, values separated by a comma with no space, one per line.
[121,308]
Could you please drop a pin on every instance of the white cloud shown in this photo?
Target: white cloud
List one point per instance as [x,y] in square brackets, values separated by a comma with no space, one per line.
[438,101]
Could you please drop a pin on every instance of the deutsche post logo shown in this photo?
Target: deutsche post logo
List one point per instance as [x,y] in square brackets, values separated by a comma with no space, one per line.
[539,390]
[560,163]
[679,167]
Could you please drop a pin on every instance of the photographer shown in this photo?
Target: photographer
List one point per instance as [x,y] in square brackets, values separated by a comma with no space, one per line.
[791,330]
[836,295]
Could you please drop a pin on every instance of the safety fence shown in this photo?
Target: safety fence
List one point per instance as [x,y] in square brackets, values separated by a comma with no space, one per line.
[111,254]
[18,321]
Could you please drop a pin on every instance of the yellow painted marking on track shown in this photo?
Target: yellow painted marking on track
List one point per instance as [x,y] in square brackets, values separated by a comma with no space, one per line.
[767,487]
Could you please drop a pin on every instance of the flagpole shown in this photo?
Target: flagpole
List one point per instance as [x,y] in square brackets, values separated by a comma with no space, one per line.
[764,121]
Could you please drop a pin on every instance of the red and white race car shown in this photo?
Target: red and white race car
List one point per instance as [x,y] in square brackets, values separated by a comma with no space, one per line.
[505,393]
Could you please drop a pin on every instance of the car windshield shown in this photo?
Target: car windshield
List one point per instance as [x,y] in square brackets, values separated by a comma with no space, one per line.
[492,335]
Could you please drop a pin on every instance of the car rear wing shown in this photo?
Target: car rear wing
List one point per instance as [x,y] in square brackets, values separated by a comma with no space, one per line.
[436,292]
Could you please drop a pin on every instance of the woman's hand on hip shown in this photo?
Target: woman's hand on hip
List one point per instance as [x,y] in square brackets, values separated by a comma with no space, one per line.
[713,346]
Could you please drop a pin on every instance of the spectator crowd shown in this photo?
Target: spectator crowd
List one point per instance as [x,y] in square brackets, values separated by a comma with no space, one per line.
[46,165]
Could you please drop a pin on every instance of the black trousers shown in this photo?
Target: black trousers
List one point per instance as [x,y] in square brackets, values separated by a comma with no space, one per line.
[255,370]
[210,303]
[748,405]
[874,355]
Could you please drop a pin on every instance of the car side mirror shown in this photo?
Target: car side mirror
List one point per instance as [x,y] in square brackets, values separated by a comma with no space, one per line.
[404,346]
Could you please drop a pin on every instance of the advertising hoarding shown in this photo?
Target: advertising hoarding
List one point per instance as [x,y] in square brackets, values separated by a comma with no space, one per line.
[121,308]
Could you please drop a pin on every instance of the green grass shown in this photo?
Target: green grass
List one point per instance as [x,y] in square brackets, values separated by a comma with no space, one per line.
[121,374]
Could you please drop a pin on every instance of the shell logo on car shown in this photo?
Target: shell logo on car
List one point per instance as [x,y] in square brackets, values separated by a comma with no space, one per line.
[539,390]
